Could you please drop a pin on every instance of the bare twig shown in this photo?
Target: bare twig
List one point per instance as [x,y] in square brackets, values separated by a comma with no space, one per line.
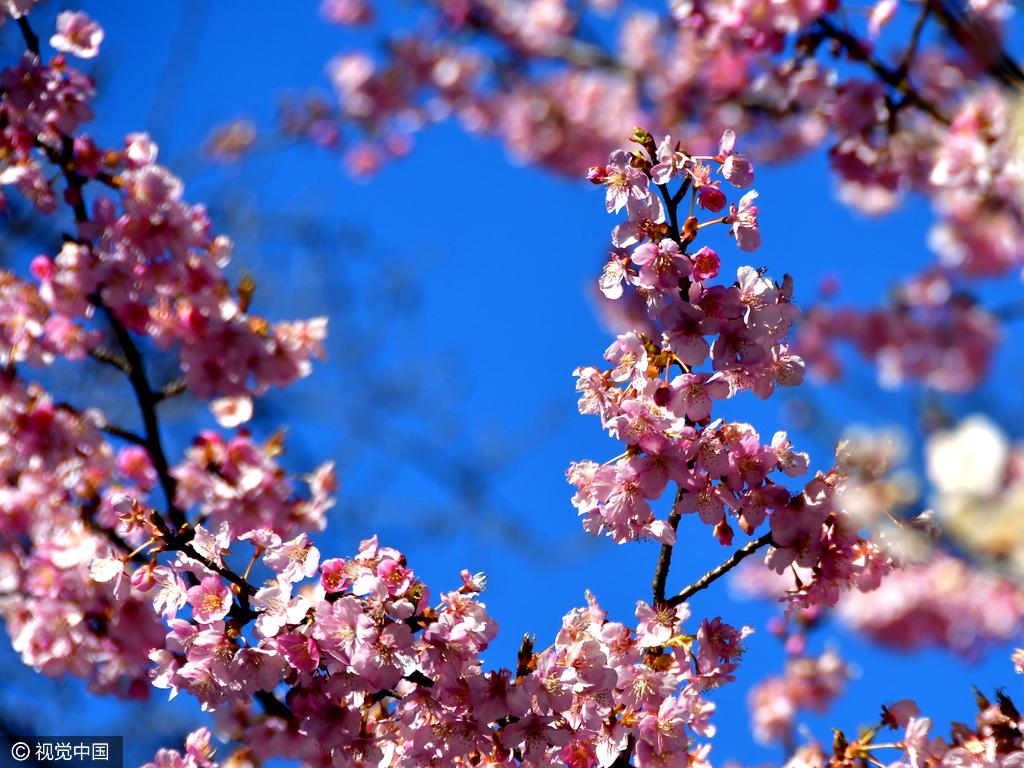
[107,357]
[31,38]
[147,401]
[915,40]
[858,52]
[979,41]
[665,556]
[718,572]
[172,389]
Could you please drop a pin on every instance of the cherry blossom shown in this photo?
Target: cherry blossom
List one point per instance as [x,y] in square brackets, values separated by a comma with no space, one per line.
[77,34]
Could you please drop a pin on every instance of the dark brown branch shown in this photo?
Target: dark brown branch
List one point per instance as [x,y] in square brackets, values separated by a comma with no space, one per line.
[915,39]
[665,556]
[420,679]
[978,39]
[672,209]
[31,38]
[858,52]
[124,434]
[274,706]
[107,357]
[524,658]
[172,389]
[715,574]
[147,401]
[244,587]
[111,429]
[177,536]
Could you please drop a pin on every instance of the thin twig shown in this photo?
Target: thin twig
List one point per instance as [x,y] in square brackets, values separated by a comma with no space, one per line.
[147,401]
[665,556]
[107,357]
[915,40]
[111,429]
[124,434]
[715,574]
[31,38]
[172,389]
[858,52]
[977,39]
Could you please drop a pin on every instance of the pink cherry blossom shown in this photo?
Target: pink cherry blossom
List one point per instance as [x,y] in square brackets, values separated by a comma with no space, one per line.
[210,600]
[744,222]
[77,34]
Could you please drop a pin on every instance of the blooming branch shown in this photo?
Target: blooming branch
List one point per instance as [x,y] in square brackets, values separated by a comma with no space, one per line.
[352,661]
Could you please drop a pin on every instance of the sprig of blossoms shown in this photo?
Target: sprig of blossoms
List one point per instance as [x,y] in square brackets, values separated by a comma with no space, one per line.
[140,252]
[927,333]
[808,683]
[368,634]
[996,739]
[658,396]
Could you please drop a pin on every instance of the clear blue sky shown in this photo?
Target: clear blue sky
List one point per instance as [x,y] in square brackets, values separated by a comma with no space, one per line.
[501,257]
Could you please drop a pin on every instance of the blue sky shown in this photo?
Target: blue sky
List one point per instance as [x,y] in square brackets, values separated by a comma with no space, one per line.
[500,259]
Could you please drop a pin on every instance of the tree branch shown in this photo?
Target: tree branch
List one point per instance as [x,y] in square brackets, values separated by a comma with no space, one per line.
[107,357]
[274,706]
[124,434]
[31,38]
[894,78]
[978,40]
[147,401]
[715,574]
[915,39]
[171,389]
[665,556]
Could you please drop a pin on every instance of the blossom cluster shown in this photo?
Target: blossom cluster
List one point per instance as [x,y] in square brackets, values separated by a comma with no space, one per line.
[236,484]
[808,683]
[926,333]
[63,484]
[933,598]
[198,753]
[941,602]
[997,739]
[924,114]
[376,673]
[722,470]
[369,665]
[977,479]
[639,402]
[140,252]
[350,659]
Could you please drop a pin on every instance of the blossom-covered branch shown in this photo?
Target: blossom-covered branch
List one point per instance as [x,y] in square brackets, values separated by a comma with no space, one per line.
[930,113]
[224,595]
